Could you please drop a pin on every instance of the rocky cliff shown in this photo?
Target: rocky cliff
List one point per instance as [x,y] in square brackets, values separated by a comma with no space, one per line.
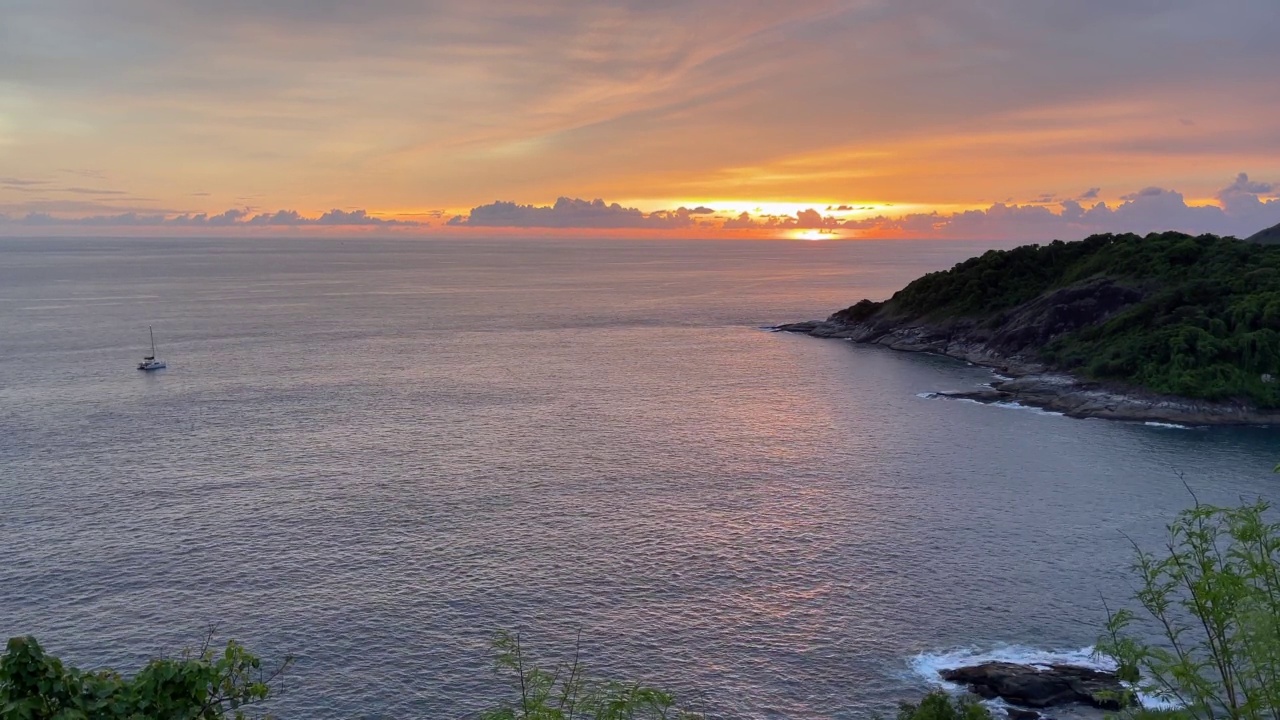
[1012,341]
[1270,236]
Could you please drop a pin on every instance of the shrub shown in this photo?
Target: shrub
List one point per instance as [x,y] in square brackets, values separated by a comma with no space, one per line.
[938,705]
[206,685]
[1213,592]
[567,692]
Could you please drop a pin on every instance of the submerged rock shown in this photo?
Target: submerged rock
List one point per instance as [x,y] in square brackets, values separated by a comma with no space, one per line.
[1040,686]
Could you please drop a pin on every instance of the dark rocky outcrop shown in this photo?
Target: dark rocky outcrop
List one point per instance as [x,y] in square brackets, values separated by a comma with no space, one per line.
[1040,687]
[1270,236]
[1075,398]
[1010,343]
[1011,337]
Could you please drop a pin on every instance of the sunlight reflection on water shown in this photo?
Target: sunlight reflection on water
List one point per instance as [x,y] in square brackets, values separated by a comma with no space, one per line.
[373,455]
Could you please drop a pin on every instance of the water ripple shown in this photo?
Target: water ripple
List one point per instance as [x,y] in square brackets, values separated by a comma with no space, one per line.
[375,459]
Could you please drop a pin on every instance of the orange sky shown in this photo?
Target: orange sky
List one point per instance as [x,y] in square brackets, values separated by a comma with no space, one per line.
[126,115]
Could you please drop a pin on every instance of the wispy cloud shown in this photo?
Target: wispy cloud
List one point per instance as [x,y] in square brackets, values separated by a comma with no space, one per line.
[1243,186]
[90,191]
[385,102]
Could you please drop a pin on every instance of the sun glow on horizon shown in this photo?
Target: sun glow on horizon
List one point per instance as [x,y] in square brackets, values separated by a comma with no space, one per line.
[780,208]
[818,235]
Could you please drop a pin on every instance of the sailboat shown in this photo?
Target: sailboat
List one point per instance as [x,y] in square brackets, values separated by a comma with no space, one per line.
[151,362]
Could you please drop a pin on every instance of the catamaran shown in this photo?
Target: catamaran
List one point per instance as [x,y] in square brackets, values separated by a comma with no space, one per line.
[151,362]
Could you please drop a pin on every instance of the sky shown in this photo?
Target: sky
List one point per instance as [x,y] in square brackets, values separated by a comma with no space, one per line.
[1032,119]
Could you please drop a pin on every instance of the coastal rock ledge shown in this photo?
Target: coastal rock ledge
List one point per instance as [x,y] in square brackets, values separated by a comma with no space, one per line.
[1028,381]
[1040,686]
[1166,328]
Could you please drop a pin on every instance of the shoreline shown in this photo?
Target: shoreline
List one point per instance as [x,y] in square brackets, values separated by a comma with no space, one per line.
[1031,383]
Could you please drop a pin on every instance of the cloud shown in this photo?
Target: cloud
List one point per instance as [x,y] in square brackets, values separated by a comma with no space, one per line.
[90,191]
[279,217]
[1151,209]
[811,219]
[807,219]
[626,84]
[572,213]
[233,218]
[1242,199]
[82,172]
[436,214]
[354,217]
[1245,206]
[1144,192]
[126,219]
[335,217]
[81,206]
[34,218]
[1243,185]
[225,219]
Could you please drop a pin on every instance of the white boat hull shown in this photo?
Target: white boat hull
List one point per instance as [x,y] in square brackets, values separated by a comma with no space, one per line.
[151,362]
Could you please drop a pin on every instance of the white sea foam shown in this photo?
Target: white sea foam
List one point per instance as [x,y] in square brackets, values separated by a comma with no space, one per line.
[1003,405]
[1173,426]
[928,666]
[1030,408]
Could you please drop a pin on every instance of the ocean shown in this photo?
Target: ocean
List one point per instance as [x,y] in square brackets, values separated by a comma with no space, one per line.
[373,454]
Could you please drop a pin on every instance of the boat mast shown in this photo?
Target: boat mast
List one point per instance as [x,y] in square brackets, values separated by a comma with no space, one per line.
[153,340]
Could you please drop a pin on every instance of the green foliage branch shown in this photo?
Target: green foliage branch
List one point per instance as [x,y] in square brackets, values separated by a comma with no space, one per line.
[1213,596]
[566,691]
[938,705]
[207,684]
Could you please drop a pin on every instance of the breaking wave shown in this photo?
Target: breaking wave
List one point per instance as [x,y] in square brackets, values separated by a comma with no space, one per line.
[927,666]
[1004,405]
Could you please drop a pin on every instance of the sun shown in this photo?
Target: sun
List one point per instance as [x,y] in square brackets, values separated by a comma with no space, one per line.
[813,235]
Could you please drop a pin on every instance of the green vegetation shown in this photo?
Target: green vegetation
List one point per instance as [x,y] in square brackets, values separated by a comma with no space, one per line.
[197,686]
[210,685]
[938,705]
[1205,324]
[566,692]
[1213,593]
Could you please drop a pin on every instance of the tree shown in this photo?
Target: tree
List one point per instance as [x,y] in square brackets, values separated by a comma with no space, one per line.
[205,685]
[1213,596]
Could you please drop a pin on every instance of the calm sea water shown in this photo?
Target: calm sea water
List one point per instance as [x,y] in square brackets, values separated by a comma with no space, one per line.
[374,454]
